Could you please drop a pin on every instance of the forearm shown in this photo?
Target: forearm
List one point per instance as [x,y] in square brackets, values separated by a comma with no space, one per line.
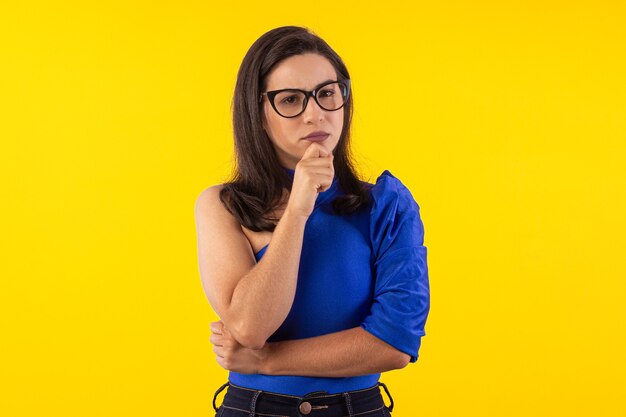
[346,353]
[263,297]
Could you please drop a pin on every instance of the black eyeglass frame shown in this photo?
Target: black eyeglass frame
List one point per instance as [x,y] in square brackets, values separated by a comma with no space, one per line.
[313,93]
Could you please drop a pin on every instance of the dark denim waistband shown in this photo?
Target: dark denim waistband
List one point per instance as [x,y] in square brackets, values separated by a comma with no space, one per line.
[317,403]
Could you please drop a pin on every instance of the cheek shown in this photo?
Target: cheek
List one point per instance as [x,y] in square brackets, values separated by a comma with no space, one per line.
[338,119]
[269,121]
[277,127]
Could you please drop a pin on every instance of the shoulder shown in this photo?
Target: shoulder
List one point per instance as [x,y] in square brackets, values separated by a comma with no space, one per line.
[209,196]
[208,203]
[395,215]
[389,189]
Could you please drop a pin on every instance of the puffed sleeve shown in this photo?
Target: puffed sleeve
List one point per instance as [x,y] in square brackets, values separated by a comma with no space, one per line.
[401,292]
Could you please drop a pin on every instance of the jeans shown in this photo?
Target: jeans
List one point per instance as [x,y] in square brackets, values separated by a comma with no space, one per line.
[246,402]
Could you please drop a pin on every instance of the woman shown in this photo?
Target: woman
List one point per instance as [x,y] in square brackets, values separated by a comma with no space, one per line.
[320,279]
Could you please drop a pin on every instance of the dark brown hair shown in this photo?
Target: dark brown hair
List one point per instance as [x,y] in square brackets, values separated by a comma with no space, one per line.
[258,178]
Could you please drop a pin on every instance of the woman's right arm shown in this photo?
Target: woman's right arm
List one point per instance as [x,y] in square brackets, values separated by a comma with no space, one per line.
[253,299]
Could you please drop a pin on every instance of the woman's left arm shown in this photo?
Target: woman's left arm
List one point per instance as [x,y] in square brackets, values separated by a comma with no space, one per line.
[350,352]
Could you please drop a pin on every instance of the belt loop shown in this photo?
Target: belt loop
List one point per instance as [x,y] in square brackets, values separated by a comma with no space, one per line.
[389,395]
[348,404]
[253,403]
[217,392]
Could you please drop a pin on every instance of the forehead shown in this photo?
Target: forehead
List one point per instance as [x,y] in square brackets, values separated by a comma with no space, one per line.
[304,71]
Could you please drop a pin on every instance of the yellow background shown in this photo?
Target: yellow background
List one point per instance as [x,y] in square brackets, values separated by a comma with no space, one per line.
[506,120]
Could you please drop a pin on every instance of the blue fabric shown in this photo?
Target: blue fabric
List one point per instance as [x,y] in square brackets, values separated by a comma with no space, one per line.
[364,269]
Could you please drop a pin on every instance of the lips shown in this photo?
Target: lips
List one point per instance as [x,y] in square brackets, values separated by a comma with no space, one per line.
[318,135]
[316,138]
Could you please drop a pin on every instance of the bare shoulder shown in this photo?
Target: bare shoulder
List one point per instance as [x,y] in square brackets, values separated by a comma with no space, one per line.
[208,203]
[209,196]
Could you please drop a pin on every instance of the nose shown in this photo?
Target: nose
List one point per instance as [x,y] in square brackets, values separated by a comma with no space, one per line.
[312,110]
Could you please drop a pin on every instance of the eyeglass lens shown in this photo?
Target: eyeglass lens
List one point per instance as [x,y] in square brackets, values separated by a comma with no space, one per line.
[330,97]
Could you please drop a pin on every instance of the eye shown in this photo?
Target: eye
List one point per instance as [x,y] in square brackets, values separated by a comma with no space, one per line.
[289,100]
[326,93]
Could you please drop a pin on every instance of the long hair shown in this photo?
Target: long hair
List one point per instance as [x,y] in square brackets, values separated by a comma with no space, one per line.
[257,182]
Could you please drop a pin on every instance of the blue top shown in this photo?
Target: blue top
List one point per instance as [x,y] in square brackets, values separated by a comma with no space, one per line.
[364,269]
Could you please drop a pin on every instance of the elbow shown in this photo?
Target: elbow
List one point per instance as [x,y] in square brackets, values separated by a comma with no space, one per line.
[400,360]
[245,333]
[252,342]
[249,338]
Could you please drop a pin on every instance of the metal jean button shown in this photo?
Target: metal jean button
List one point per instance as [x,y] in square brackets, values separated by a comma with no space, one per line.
[305,407]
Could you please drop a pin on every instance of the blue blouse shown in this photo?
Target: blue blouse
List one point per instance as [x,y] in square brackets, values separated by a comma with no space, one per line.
[367,269]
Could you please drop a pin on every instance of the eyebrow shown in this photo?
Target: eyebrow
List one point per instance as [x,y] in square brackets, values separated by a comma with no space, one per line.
[294,88]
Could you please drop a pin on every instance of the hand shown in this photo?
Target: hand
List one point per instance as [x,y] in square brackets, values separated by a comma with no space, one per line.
[231,355]
[314,173]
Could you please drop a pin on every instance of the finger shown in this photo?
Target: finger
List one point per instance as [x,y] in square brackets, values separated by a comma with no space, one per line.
[219,351]
[322,172]
[226,332]
[222,362]
[216,327]
[313,151]
[223,341]
[322,179]
[216,340]
[317,163]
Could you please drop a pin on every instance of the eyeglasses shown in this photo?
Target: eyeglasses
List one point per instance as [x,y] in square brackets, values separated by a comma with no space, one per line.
[291,102]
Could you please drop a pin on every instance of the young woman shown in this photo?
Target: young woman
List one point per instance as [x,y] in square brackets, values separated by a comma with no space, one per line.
[320,279]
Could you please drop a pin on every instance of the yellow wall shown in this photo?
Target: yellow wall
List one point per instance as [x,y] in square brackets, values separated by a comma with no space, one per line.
[505,119]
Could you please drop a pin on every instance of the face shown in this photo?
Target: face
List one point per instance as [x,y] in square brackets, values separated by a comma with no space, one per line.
[304,72]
